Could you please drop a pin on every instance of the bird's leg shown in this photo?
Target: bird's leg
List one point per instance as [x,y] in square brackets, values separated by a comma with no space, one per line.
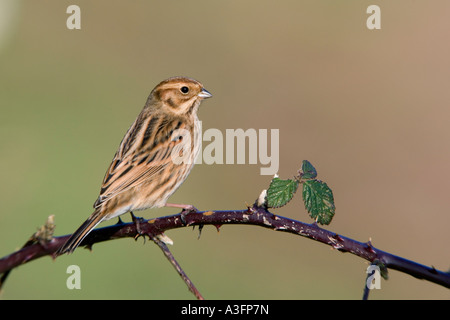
[187,208]
[137,222]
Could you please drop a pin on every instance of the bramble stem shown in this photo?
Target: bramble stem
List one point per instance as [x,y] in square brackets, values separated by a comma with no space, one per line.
[255,215]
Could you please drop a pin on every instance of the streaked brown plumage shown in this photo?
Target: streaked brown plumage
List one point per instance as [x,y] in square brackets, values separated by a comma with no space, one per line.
[143,173]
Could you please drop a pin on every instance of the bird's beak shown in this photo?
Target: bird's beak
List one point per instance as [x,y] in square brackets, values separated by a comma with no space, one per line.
[204,94]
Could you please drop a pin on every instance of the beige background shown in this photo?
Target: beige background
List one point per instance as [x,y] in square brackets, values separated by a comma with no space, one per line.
[370,109]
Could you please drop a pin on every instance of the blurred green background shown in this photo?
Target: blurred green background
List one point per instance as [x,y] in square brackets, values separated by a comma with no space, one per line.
[370,109]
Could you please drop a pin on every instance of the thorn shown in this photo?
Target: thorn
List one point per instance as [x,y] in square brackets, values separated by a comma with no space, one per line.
[338,237]
[119,221]
[433,270]
[251,209]
[369,246]
[200,228]
[217,227]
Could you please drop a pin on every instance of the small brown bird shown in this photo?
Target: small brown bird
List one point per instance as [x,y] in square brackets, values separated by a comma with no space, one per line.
[154,158]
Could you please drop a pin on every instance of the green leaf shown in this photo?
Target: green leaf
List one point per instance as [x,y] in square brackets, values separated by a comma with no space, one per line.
[383,269]
[280,192]
[319,201]
[308,170]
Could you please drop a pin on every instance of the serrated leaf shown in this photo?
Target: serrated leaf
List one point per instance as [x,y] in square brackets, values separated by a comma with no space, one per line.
[280,192]
[319,201]
[308,170]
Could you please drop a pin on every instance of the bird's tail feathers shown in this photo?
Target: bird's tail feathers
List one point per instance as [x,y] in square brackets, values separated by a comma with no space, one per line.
[78,236]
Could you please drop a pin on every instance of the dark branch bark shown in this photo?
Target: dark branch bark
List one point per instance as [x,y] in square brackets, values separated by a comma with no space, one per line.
[255,215]
[177,267]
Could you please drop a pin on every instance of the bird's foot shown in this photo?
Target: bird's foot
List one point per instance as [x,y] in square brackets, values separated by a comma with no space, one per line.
[186,209]
[138,221]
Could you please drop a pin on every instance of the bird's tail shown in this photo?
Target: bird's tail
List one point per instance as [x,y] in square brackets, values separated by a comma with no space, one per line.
[78,236]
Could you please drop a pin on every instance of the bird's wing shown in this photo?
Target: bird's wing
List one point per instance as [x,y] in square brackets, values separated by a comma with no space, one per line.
[144,152]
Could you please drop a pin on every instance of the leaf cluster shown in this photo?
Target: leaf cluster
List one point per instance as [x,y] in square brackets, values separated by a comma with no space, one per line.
[317,196]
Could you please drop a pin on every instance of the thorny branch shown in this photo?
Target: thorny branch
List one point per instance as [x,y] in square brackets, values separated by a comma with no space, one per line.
[253,215]
[177,267]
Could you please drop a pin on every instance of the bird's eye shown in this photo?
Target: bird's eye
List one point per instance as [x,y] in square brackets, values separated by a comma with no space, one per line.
[184,89]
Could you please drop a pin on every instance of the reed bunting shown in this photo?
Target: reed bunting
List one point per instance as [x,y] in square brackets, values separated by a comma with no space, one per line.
[154,158]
